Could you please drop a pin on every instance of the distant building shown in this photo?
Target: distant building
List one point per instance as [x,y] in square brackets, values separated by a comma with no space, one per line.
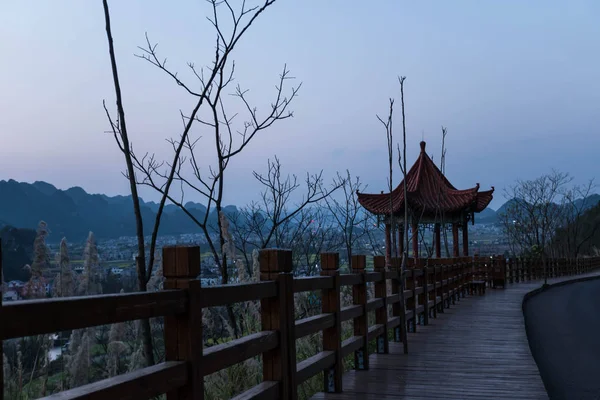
[11,295]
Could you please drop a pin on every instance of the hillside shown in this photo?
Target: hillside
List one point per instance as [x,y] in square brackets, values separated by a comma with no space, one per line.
[587,232]
[17,249]
[72,213]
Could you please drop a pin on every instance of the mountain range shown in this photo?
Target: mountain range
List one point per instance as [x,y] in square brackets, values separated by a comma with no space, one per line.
[489,216]
[72,213]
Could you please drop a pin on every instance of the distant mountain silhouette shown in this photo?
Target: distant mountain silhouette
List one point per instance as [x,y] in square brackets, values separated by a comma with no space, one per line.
[487,216]
[72,213]
[584,204]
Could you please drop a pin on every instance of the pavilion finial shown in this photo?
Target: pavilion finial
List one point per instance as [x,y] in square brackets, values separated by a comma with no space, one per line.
[423,146]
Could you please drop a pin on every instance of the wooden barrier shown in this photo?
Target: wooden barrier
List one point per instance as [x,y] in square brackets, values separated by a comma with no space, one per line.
[431,286]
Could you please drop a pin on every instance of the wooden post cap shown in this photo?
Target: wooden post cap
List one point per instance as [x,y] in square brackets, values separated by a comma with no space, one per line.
[181,261]
[359,262]
[379,262]
[330,261]
[275,261]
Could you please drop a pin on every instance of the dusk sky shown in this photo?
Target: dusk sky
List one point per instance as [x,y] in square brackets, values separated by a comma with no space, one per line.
[516,84]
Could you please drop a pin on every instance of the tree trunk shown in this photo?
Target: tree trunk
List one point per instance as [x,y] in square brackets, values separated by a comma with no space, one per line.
[145,323]
[126,148]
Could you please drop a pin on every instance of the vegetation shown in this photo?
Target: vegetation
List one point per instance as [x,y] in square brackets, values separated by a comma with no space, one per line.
[17,250]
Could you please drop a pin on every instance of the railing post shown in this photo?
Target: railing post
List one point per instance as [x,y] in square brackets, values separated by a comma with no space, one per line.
[457,274]
[397,266]
[183,334]
[452,280]
[332,337]
[570,263]
[277,314]
[445,283]
[500,269]
[461,276]
[424,297]
[439,278]
[381,314]
[411,303]
[449,280]
[470,273]
[559,267]
[462,268]
[361,323]
[468,268]
[431,280]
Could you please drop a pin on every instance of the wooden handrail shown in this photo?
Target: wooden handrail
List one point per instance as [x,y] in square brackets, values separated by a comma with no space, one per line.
[430,286]
[214,296]
[144,383]
[35,317]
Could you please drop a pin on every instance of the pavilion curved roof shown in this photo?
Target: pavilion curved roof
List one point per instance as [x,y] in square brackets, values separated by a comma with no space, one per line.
[429,192]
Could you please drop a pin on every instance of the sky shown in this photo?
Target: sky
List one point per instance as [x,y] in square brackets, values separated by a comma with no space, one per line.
[515,83]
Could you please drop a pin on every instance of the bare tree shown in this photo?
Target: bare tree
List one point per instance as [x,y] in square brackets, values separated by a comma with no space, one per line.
[276,201]
[402,157]
[576,229]
[319,235]
[443,170]
[374,234]
[350,219]
[534,213]
[211,86]
[387,124]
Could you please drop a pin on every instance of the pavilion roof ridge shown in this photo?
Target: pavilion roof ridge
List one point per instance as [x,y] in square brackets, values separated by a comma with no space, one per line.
[428,190]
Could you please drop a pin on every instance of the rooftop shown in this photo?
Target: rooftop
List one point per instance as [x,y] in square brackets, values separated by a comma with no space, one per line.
[429,194]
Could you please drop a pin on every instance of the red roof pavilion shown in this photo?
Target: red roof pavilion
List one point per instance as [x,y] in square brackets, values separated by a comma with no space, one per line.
[431,199]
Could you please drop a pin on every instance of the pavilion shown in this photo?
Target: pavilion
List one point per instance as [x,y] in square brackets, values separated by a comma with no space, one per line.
[431,199]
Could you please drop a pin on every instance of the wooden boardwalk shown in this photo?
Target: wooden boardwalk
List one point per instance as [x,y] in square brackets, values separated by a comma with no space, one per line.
[476,349]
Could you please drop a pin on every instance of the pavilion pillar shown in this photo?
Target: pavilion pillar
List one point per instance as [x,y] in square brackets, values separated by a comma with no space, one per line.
[415,240]
[465,232]
[388,244]
[400,240]
[438,241]
[454,239]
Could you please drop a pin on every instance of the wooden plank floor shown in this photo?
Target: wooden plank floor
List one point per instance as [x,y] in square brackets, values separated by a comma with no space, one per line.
[476,349]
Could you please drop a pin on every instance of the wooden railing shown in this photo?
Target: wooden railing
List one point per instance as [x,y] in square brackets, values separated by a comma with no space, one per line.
[430,287]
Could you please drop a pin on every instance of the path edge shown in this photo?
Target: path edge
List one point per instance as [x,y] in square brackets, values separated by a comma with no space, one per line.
[535,292]
[551,286]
